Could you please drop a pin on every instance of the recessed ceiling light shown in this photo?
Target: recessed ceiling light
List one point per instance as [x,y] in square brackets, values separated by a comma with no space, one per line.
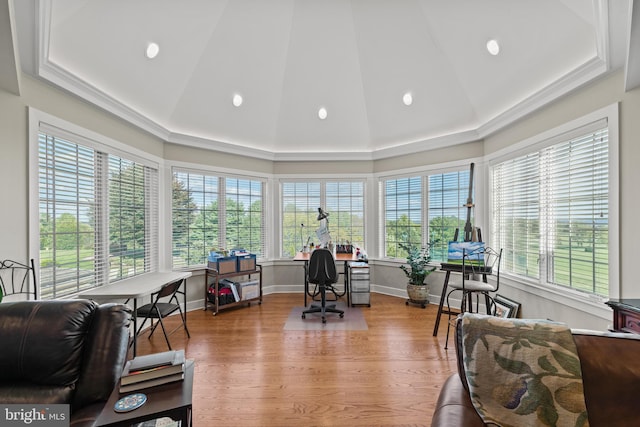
[322,113]
[237,100]
[493,47]
[152,50]
[407,99]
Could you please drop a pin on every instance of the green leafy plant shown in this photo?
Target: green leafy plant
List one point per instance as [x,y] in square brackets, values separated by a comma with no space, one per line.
[417,268]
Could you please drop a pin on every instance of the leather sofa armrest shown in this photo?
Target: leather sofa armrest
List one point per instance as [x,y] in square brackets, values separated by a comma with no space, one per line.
[454,407]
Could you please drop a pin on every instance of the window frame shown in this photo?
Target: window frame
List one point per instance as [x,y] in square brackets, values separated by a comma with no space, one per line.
[104,148]
[221,175]
[565,133]
[424,173]
[309,220]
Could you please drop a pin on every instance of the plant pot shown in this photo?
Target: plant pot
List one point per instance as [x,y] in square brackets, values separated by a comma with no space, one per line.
[418,294]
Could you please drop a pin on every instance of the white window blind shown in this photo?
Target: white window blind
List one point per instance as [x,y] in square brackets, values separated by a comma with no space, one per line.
[345,204]
[551,213]
[300,203]
[244,214]
[195,217]
[402,214]
[343,200]
[448,193]
[215,212]
[98,217]
[516,214]
[576,213]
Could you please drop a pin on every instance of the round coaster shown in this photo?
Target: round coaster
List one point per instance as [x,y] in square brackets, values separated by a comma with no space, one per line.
[130,402]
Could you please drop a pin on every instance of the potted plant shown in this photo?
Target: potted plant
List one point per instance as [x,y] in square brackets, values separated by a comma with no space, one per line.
[417,270]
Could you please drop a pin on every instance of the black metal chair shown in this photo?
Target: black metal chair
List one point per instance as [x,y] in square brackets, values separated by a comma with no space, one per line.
[18,279]
[323,273]
[477,266]
[160,309]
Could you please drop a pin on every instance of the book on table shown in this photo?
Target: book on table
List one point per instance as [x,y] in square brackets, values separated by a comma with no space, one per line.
[151,383]
[152,367]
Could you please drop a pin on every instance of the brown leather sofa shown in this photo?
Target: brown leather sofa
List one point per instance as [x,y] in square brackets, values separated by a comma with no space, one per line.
[610,375]
[62,352]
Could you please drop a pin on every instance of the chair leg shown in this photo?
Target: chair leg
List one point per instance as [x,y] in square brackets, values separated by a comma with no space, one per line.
[323,308]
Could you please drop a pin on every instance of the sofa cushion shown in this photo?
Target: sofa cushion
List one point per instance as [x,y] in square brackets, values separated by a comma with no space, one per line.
[522,372]
[42,342]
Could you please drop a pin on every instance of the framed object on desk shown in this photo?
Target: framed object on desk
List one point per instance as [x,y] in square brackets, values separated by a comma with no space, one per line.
[506,307]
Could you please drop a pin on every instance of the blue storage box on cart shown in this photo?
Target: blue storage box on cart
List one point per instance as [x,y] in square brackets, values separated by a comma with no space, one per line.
[224,264]
[246,262]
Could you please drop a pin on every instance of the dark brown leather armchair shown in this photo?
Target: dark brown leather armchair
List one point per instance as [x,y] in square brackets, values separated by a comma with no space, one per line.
[610,376]
[67,351]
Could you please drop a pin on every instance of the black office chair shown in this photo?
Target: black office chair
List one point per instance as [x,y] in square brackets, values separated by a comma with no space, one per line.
[18,279]
[160,309]
[323,273]
[474,281]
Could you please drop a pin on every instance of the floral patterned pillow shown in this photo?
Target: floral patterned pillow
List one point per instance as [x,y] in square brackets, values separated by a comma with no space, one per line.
[522,372]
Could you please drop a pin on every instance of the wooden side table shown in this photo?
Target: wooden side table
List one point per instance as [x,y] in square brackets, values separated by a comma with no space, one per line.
[626,315]
[173,400]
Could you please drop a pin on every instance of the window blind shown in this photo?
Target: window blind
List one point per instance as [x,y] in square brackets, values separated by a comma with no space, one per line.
[516,214]
[448,194]
[402,214]
[576,213]
[551,212]
[343,200]
[345,203]
[98,221]
[300,202]
[215,212]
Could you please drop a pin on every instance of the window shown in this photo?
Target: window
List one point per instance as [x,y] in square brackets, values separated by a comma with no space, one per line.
[448,193]
[200,201]
[343,200]
[445,212]
[98,216]
[402,215]
[551,212]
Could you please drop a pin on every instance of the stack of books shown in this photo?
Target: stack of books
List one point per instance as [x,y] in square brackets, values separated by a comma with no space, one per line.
[152,370]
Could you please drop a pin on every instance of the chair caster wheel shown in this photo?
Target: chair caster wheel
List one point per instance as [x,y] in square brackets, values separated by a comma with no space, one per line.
[303,316]
[341,315]
[324,320]
[424,306]
[406,303]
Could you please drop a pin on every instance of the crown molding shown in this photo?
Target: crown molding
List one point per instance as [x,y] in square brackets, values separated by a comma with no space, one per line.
[592,69]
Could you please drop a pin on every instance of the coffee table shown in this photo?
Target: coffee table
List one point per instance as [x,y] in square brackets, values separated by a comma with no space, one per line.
[173,400]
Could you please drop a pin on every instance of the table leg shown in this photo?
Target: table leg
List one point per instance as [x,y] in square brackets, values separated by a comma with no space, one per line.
[346,283]
[135,326]
[306,281]
[442,298]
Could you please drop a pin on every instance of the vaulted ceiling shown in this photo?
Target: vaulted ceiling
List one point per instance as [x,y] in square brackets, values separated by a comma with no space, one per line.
[287,59]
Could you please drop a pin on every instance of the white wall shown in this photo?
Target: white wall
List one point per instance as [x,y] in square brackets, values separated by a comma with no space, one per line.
[285,275]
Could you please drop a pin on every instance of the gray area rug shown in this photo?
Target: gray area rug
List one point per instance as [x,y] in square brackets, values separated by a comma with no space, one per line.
[353,320]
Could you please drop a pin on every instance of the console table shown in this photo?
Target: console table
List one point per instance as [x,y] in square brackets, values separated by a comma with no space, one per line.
[626,315]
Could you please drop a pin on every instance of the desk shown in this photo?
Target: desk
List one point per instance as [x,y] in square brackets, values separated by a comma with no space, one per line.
[173,400]
[448,269]
[346,258]
[137,287]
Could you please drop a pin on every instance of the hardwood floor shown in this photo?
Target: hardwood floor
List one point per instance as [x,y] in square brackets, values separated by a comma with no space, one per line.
[251,372]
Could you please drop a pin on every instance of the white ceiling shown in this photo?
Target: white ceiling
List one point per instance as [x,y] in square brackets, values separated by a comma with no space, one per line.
[288,58]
